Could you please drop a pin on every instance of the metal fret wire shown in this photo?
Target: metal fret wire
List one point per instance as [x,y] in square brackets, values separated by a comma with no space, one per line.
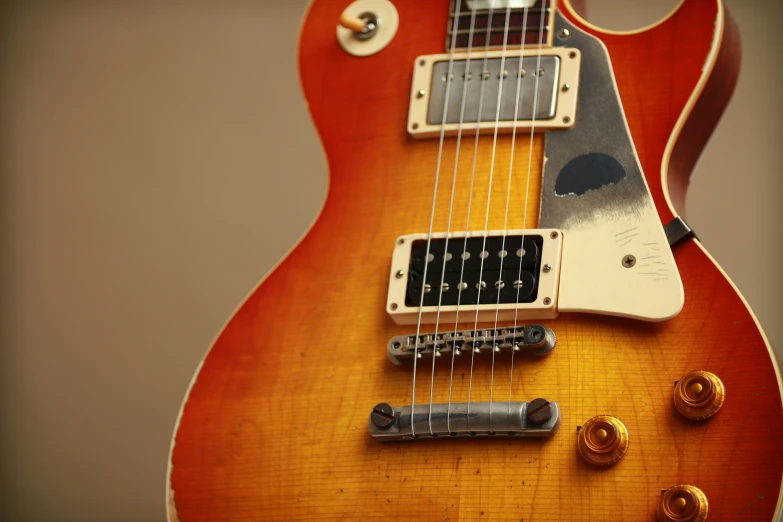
[527,193]
[429,233]
[496,30]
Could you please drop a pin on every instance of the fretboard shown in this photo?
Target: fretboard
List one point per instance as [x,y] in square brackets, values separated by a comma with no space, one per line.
[532,30]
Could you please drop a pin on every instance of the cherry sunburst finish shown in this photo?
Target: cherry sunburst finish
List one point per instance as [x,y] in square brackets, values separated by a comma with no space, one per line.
[274,426]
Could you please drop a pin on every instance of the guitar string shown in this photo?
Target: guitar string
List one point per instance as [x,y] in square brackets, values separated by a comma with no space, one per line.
[449,74]
[470,201]
[503,254]
[537,76]
[489,199]
[465,80]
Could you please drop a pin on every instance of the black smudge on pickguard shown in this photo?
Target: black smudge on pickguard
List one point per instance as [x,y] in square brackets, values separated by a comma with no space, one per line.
[589,171]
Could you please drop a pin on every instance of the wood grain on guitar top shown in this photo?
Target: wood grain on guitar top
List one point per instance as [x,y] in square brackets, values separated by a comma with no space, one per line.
[275,425]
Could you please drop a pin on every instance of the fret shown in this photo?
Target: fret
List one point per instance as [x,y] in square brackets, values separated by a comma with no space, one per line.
[534,36]
[511,29]
[499,22]
[497,12]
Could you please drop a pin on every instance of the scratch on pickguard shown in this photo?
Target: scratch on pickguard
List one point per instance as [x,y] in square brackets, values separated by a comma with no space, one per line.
[626,237]
[658,270]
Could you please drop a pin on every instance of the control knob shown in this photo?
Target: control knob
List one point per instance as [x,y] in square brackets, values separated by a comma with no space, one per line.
[699,395]
[683,503]
[603,440]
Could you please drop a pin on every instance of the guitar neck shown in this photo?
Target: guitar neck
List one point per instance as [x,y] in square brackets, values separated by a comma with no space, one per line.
[514,21]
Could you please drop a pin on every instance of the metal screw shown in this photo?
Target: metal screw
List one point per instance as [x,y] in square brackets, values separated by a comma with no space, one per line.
[547,301]
[400,241]
[382,415]
[566,87]
[539,411]
[415,126]
[629,261]
[566,119]
[547,267]
[393,306]
[399,274]
[420,94]
[565,33]
[553,235]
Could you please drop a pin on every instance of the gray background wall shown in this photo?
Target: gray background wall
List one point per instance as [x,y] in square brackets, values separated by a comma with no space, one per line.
[157,160]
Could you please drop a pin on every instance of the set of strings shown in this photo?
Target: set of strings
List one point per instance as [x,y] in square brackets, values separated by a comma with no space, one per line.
[519,92]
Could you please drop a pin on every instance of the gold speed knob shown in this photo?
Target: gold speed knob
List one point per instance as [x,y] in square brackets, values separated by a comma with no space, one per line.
[699,395]
[683,503]
[603,440]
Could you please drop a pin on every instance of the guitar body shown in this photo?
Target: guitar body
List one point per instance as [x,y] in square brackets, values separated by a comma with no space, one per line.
[275,424]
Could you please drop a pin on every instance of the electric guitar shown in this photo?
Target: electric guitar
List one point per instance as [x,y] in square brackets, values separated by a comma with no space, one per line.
[500,312]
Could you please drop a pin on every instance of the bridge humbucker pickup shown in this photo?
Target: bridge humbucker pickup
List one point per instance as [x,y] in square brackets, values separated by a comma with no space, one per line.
[506,275]
[473,270]
[535,339]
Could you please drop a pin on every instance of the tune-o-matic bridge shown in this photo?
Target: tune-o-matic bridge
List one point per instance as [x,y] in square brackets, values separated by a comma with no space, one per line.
[538,418]
[536,339]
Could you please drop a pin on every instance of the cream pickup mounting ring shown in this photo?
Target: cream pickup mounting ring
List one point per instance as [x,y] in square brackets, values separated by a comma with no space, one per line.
[548,89]
[513,274]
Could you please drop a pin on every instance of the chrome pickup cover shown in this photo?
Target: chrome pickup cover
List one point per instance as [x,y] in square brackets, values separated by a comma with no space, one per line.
[548,87]
[541,93]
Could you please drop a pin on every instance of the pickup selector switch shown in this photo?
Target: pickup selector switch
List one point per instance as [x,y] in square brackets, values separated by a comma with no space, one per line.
[699,395]
[603,440]
[683,503]
[367,26]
